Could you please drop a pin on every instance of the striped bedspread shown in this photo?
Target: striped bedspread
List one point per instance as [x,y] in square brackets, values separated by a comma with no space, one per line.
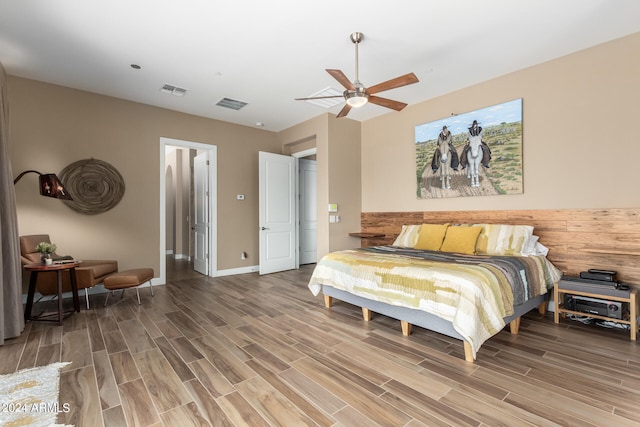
[474,292]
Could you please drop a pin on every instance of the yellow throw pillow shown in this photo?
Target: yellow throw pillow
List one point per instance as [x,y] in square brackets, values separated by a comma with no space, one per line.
[461,239]
[431,236]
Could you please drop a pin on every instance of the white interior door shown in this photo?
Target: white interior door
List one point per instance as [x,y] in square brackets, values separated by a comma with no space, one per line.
[277,212]
[308,212]
[201,220]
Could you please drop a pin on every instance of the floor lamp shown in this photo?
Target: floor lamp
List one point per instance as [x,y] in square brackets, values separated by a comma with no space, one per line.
[50,185]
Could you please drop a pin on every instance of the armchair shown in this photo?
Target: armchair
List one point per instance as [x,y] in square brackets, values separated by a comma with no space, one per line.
[88,274]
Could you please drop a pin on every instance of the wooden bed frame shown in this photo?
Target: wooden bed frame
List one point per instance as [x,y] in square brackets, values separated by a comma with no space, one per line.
[410,316]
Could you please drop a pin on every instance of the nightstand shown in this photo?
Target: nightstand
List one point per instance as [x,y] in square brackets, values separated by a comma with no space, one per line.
[603,311]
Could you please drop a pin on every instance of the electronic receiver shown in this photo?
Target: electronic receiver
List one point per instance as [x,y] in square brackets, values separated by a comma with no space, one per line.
[600,307]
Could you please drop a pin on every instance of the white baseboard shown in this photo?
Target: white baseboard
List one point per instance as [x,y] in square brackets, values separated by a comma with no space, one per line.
[234,271]
[169,252]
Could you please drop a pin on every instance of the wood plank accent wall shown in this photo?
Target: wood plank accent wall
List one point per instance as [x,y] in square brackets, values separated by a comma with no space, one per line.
[578,239]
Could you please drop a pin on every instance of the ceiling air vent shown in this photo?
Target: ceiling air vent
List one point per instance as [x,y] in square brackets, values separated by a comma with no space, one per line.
[326,102]
[173,90]
[234,104]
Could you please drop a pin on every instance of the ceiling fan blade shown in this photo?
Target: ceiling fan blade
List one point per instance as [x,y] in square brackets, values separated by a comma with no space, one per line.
[318,97]
[341,78]
[345,110]
[389,103]
[407,79]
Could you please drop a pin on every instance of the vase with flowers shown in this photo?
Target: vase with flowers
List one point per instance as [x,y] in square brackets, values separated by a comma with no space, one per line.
[46,249]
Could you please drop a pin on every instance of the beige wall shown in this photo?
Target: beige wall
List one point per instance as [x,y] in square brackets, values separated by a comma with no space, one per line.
[580,142]
[53,126]
[344,181]
[337,143]
[316,130]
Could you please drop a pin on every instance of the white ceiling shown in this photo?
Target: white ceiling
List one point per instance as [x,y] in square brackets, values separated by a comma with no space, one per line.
[267,53]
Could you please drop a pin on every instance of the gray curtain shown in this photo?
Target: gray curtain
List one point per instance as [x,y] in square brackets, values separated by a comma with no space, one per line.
[11,317]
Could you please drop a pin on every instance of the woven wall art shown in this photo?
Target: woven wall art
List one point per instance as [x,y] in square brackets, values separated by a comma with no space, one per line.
[95,185]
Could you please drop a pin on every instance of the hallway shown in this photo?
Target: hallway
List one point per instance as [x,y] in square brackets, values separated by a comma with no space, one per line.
[180,269]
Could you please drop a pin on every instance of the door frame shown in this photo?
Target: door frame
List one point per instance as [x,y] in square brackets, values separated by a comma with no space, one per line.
[213,202]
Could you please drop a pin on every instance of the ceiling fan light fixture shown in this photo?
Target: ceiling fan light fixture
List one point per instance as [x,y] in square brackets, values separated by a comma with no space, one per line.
[356,101]
[358,97]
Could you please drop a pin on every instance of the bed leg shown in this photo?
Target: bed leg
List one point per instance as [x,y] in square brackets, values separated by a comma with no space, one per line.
[514,326]
[327,301]
[556,304]
[468,353]
[542,308]
[366,314]
[406,328]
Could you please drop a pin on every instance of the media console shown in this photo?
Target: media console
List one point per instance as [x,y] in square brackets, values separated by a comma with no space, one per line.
[596,301]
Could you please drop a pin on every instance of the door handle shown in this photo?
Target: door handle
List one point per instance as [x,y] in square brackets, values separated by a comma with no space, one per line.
[264,228]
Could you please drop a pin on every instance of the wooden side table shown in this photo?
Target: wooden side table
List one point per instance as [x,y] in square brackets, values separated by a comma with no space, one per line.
[364,235]
[59,268]
[566,286]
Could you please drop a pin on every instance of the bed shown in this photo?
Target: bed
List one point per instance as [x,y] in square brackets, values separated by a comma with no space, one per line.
[463,281]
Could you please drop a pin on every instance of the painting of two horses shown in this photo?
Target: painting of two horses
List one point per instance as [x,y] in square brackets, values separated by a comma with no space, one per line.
[478,153]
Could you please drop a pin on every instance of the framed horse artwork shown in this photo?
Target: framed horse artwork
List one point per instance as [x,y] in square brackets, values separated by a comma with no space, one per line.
[478,153]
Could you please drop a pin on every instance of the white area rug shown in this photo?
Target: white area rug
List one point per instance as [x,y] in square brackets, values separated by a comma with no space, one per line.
[30,397]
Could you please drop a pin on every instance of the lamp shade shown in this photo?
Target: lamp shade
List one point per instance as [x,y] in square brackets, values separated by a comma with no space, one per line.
[51,186]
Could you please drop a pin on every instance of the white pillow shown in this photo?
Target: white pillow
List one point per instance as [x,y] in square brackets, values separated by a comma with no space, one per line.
[503,239]
[529,248]
[408,237]
[541,249]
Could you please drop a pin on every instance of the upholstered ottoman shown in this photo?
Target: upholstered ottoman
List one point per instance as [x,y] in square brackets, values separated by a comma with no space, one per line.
[128,279]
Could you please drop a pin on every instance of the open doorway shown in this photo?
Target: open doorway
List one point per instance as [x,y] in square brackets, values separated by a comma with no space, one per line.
[288,215]
[307,206]
[188,212]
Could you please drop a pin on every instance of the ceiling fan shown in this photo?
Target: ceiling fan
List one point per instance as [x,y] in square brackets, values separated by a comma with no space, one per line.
[356,94]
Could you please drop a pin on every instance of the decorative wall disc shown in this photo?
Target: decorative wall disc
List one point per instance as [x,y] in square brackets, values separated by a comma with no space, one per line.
[95,185]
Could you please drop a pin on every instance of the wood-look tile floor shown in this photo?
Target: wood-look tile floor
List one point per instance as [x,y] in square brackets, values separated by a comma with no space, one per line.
[262,351]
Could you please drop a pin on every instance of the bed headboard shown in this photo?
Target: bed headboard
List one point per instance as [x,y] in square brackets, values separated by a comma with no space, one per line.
[578,239]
